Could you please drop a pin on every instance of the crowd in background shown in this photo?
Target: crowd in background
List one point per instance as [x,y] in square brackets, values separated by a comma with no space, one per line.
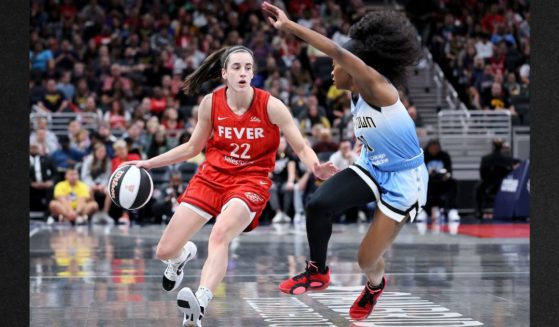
[118,65]
[483,47]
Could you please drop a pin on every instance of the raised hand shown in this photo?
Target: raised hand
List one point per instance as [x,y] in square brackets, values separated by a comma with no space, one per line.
[325,170]
[276,16]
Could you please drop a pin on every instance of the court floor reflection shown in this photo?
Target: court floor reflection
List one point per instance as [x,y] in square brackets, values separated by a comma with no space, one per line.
[109,277]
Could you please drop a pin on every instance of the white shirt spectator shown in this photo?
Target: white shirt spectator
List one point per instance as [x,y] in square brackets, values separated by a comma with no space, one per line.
[484,49]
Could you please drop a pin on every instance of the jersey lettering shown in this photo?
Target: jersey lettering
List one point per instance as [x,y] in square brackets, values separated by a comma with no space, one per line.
[364,122]
[247,133]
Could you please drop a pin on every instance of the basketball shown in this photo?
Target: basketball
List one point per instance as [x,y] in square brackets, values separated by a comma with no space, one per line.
[130,187]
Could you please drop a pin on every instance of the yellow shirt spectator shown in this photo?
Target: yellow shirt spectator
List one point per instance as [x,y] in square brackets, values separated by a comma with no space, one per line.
[79,190]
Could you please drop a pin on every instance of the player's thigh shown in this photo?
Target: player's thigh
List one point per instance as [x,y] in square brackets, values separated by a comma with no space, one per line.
[342,191]
[233,219]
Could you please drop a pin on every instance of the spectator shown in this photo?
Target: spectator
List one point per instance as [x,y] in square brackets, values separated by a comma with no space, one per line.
[73,130]
[345,156]
[90,107]
[107,138]
[44,137]
[82,140]
[442,189]
[72,200]
[159,143]
[484,47]
[40,57]
[67,156]
[117,118]
[171,122]
[95,173]
[53,100]
[283,182]
[66,57]
[42,174]
[166,197]
[324,143]
[82,94]
[313,116]
[133,135]
[158,102]
[493,169]
[66,86]
[498,100]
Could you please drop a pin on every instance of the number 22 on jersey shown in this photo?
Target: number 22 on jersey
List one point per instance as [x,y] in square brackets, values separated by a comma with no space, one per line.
[243,148]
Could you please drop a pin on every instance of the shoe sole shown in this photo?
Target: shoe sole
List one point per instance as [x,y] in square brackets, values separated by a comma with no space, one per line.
[301,288]
[192,249]
[188,305]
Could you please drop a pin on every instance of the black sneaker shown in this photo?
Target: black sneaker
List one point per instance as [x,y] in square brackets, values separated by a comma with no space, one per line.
[172,277]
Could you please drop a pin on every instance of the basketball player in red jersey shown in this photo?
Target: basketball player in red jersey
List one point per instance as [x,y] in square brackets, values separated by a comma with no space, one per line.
[240,126]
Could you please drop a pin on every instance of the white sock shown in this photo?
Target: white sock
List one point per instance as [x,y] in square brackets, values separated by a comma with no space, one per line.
[180,258]
[204,296]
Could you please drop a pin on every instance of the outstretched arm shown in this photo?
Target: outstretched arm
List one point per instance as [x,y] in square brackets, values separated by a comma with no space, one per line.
[280,116]
[372,86]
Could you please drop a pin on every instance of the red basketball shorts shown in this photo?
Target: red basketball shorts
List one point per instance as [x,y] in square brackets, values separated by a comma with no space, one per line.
[210,191]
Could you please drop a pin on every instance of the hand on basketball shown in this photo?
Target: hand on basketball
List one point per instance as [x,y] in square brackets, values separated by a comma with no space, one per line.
[276,16]
[138,163]
[325,170]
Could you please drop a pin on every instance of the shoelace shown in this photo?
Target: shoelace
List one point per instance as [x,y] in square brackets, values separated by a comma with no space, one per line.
[172,268]
[368,296]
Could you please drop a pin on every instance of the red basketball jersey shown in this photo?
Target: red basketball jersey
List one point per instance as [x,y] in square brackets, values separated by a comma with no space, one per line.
[242,144]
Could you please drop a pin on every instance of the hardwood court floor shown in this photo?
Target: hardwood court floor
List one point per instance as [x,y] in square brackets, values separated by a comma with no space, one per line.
[101,276]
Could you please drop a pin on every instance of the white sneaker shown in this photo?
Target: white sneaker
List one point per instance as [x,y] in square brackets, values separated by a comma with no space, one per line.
[453,215]
[421,217]
[190,307]
[81,220]
[278,218]
[172,277]
[299,218]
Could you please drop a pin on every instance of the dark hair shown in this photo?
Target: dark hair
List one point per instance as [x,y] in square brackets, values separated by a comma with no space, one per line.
[210,68]
[386,41]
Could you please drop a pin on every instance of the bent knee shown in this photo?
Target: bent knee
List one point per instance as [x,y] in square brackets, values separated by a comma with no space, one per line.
[166,251]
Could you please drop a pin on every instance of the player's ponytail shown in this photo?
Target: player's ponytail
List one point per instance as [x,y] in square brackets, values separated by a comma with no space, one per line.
[210,68]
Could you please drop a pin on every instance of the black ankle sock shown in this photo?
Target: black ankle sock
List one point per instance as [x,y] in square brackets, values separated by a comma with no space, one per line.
[373,287]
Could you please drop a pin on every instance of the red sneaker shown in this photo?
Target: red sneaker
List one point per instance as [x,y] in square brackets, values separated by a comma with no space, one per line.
[310,279]
[365,303]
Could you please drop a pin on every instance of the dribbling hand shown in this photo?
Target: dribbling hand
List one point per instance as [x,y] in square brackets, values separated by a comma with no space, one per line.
[276,16]
[138,163]
[325,170]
